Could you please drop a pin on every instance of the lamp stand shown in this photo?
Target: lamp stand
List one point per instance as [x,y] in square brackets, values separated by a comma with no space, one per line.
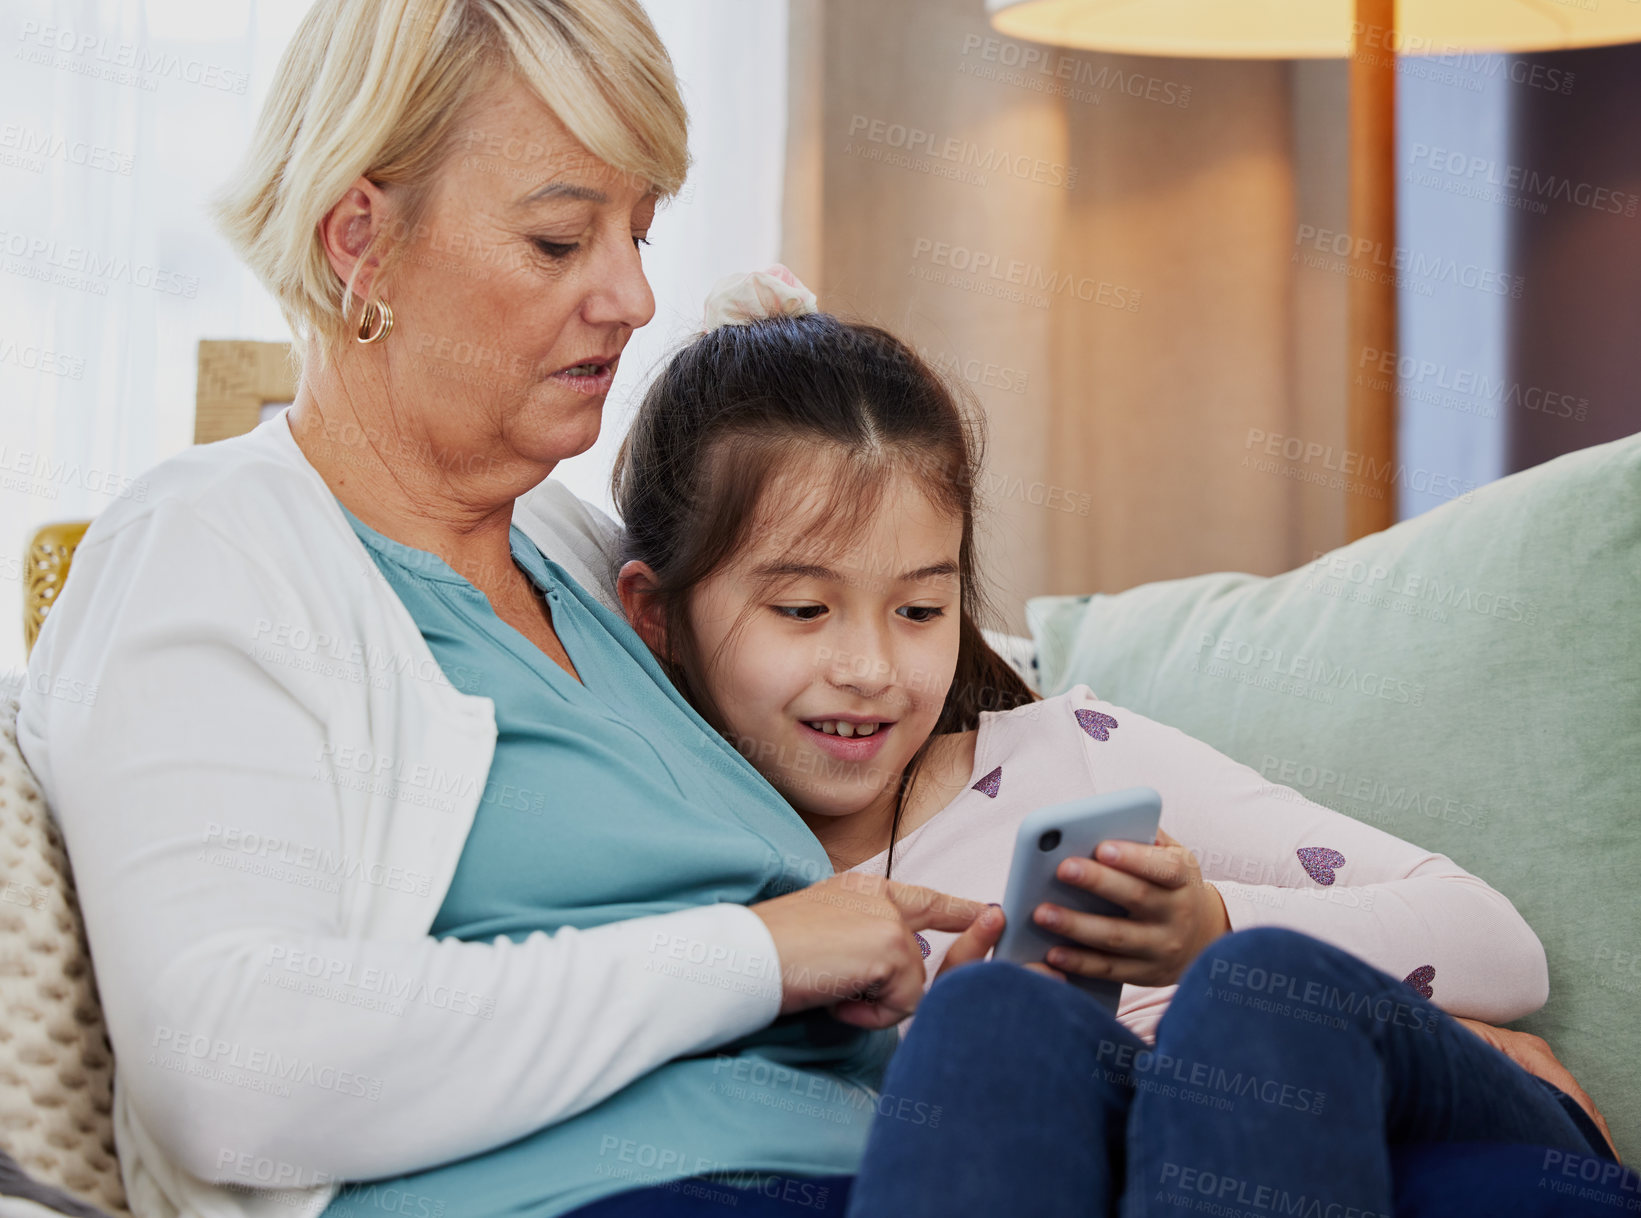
[1370,423]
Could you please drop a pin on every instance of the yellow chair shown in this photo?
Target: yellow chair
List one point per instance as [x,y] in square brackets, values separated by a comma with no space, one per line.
[237,378]
[46,566]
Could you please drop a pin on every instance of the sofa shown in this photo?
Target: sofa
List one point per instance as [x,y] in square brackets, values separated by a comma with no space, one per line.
[56,1065]
[1469,680]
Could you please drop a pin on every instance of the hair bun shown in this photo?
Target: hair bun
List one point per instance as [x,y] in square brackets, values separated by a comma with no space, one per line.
[757,295]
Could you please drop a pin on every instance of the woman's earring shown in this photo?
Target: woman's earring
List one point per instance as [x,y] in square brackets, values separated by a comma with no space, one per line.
[375,322]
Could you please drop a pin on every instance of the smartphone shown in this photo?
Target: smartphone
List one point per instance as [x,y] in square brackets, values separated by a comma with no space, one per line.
[1062,831]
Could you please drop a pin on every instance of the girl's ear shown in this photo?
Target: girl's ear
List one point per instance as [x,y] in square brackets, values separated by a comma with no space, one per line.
[636,585]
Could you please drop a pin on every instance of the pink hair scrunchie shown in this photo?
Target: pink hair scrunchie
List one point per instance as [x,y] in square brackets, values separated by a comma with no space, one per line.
[755,296]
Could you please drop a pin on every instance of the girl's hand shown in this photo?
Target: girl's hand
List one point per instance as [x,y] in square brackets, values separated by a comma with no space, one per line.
[1173,913]
[846,944]
[1535,1056]
[977,942]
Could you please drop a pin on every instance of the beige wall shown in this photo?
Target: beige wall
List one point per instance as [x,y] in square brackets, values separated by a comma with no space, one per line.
[1173,214]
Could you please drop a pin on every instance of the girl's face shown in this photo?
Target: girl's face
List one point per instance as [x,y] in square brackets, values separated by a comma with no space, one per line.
[831,677]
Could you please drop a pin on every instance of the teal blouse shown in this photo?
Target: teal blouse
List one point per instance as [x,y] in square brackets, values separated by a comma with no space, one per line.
[607,800]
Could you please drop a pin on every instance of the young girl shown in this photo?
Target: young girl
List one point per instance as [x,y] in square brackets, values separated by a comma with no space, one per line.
[799,499]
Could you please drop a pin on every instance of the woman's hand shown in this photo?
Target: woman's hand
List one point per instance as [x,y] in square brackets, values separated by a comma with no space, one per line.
[1534,1055]
[1173,913]
[846,943]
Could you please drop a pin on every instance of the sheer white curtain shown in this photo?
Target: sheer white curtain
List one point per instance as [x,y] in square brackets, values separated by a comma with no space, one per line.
[118,118]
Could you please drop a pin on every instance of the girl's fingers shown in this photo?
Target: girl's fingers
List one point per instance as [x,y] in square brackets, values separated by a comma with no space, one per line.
[1076,962]
[1166,864]
[1115,936]
[1133,893]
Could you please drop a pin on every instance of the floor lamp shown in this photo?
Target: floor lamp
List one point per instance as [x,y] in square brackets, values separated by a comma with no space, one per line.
[1371,33]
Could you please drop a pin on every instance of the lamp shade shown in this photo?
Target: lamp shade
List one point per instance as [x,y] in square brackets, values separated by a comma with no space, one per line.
[1313,29]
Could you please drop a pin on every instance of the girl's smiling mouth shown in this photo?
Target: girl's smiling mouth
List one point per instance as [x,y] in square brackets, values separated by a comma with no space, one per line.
[848,738]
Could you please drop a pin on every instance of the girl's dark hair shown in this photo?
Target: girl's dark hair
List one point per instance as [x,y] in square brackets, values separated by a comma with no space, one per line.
[743,405]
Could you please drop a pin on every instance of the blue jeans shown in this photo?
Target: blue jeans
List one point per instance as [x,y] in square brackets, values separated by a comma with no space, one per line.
[1284,1069]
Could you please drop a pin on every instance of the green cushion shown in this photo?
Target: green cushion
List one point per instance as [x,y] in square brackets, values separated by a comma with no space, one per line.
[1469,680]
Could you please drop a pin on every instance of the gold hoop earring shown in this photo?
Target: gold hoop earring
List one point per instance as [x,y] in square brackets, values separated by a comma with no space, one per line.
[375,322]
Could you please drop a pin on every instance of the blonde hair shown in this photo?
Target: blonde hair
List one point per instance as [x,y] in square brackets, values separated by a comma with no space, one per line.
[378,87]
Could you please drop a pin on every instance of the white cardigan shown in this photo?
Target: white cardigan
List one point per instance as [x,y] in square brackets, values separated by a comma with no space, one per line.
[265,782]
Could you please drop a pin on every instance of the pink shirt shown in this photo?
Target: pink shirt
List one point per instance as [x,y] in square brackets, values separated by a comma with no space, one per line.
[1276,858]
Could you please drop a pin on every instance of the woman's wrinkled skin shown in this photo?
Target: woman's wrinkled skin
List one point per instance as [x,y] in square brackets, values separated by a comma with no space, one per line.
[430,435]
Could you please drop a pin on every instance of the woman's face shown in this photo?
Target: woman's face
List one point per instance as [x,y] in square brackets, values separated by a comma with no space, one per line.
[802,669]
[517,292]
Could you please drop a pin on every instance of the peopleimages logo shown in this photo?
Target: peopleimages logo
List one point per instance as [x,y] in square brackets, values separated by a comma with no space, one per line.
[1221,1194]
[347,974]
[33,358]
[100,55]
[1329,784]
[234,840]
[42,470]
[916,142]
[1212,1086]
[253,1067]
[1311,1001]
[1313,246]
[334,761]
[86,269]
[49,146]
[1340,467]
[1028,276]
[1517,179]
[1313,670]
[1076,77]
[1417,55]
[1400,581]
[291,643]
[977,371]
[1415,375]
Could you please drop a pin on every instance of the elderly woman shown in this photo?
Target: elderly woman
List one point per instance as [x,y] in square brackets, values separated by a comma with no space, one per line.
[351,918]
